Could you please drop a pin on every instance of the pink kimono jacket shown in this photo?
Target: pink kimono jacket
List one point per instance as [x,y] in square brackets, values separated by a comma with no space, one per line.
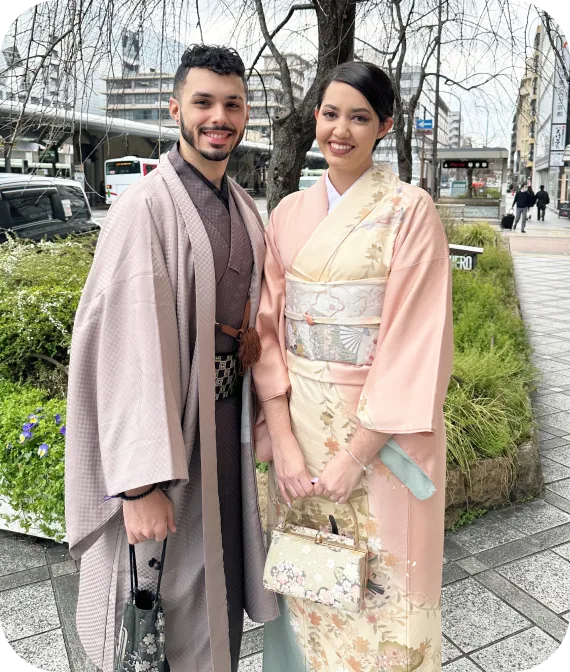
[373,275]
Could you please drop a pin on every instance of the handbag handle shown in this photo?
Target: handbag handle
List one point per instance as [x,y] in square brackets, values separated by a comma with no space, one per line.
[134,574]
[353,516]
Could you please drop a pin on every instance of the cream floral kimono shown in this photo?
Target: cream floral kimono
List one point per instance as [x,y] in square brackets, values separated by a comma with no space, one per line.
[356,326]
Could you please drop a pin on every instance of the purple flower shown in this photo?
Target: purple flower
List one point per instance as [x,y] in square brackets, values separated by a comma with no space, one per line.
[43,450]
[27,427]
[57,418]
[62,430]
[33,419]
[27,434]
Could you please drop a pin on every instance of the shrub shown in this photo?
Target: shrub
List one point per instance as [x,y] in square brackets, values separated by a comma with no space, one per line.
[487,409]
[32,430]
[40,286]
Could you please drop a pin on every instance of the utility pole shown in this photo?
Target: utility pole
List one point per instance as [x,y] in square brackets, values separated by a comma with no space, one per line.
[435,180]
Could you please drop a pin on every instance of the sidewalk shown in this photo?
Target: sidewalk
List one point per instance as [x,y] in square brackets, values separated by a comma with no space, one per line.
[506,595]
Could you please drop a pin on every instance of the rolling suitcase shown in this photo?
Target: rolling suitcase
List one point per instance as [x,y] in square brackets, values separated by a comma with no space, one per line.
[507,221]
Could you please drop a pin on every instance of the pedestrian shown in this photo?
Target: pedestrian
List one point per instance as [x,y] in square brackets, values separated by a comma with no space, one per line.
[522,202]
[156,401]
[353,404]
[542,200]
[532,196]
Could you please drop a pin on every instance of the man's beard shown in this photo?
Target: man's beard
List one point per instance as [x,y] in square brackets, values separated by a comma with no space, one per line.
[209,154]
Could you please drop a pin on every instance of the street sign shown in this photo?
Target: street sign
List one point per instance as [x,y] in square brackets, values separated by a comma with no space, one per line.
[474,163]
[464,257]
[424,124]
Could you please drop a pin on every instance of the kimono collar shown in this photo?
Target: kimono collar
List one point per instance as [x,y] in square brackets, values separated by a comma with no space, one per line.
[333,196]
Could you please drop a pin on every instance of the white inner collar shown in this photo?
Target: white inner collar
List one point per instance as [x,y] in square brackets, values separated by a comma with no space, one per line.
[333,196]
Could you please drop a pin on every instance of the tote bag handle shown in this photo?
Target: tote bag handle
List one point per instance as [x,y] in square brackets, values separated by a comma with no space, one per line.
[134,575]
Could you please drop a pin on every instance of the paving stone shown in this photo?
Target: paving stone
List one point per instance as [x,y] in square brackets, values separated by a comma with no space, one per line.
[553,431]
[23,578]
[453,572]
[28,610]
[551,349]
[248,624]
[553,471]
[521,548]
[251,664]
[560,421]
[518,652]
[556,500]
[19,552]
[557,400]
[563,550]
[544,576]
[561,488]
[472,565]
[484,534]
[62,568]
[545,436]
[552,365]
[66,590]
[252,642]
[555,442]
[526,605]
[45,651]
[452,550]
[542,411]
[473,617]
[532,517]
[449,652]
[560,454]
[58,553]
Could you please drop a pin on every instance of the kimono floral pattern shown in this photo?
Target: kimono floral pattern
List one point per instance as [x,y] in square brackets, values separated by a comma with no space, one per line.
[395,629]
[137,651]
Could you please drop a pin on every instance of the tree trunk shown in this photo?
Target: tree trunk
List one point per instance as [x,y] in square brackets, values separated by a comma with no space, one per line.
[294,130]
[403,145]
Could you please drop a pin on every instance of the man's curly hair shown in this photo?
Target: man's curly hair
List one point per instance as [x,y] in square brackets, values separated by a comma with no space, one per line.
[221,60]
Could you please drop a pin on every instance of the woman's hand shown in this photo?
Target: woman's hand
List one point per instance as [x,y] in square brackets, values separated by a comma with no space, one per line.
[292,473]
[339,478]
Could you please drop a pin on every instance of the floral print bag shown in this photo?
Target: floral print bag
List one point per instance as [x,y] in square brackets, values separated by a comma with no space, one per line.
[317,566]
[141,639]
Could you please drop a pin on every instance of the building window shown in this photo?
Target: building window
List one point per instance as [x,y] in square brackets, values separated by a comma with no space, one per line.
[11,55]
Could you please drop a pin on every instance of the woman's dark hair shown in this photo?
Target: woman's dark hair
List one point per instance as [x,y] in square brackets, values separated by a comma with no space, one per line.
[221,60]
[372,82]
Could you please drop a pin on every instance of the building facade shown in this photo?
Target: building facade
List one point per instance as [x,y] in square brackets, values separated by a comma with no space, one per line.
[551,117]
[266,94]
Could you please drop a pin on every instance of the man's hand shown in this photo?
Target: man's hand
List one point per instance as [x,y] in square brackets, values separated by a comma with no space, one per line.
[292,473]
[151,517]
[339,478]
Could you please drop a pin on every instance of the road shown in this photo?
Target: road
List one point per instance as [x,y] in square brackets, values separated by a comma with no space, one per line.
[99,213]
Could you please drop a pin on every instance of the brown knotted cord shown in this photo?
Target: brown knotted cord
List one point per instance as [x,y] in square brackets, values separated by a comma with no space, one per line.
[249,342]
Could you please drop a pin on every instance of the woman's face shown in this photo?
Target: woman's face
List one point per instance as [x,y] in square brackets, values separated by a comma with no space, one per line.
[347,128]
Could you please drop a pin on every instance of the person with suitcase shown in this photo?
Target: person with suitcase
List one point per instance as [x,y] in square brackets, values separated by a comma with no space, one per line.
[522,202]
[542,200]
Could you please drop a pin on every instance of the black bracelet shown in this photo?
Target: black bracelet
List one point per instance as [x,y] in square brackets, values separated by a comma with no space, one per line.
[122,495]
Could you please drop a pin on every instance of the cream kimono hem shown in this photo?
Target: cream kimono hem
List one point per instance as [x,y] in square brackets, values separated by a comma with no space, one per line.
[374,277]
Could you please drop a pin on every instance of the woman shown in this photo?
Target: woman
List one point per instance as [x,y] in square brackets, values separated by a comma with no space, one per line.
[355,323]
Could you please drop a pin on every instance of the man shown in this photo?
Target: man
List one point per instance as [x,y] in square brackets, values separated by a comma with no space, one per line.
[522,202]
[154,397]
[542,200]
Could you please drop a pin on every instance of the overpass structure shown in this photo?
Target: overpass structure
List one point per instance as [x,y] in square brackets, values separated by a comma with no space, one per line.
[96,138]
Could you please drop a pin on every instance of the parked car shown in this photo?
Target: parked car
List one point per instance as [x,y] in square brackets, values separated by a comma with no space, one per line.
[42,207]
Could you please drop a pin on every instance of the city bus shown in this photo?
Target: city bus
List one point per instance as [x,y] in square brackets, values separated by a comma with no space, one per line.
[120,173]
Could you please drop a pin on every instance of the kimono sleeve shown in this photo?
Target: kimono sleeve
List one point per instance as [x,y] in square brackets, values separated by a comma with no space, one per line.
[124,425]
[407,383]
[270,374]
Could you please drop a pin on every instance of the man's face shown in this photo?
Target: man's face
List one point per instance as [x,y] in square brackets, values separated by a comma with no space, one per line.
[212,113]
